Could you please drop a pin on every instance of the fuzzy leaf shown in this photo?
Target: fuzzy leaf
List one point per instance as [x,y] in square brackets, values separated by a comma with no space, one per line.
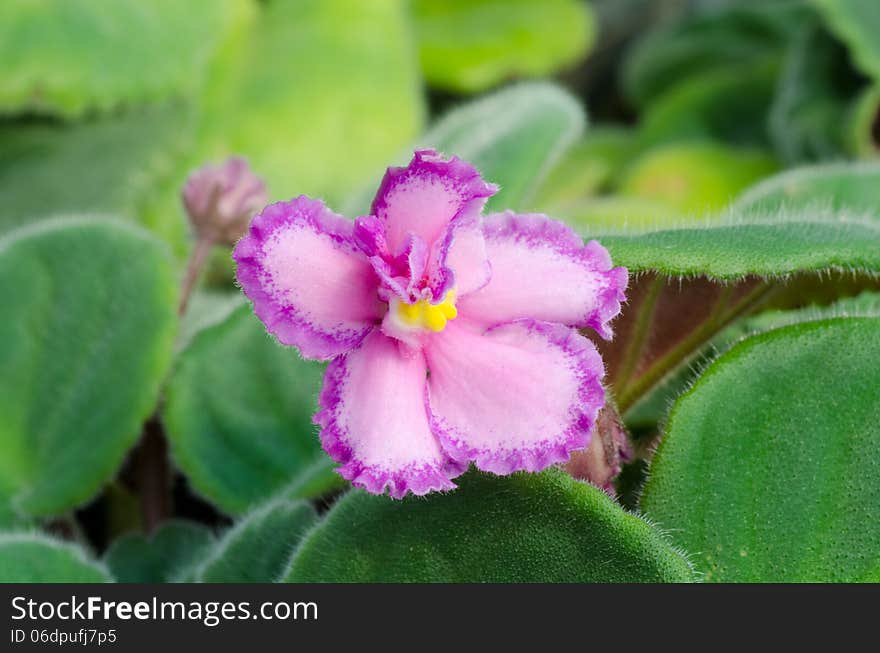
[34,558]
[521,528]
[769,469]
[67,58]
[769,245]
[238,414]
[99,165]
[258,548]
[850,187]
[654,406]
[86,340]
[470,45]
[165,556]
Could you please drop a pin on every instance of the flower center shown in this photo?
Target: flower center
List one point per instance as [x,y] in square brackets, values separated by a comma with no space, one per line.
[425,315]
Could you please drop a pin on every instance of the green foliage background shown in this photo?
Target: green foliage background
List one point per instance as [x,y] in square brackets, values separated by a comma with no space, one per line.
[725,152]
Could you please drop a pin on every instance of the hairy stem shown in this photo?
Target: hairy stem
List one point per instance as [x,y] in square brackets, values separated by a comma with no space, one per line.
[197,259]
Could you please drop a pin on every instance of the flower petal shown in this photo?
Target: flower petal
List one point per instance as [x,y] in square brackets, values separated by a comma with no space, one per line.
[309,283]
[541,269]
[521,396]
[424,197]
[461,260]
[373,420]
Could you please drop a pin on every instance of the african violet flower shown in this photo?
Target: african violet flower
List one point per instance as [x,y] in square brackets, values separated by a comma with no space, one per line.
[451,335]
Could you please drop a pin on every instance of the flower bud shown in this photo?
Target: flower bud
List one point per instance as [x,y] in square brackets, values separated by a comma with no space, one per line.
[609,449]
[221,199]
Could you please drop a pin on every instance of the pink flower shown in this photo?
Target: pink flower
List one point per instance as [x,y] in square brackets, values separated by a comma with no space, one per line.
[452,336]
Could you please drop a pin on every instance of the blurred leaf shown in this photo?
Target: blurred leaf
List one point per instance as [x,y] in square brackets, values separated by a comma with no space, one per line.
[522,528]
[852,188]
[809,109]
[258,548]
[514,137]
[769,468]
[165,556]
[610,213]
[99,165]
[318,96]
[862,135]
[696,178]
[84,345]
[35,558]
[238,414]
[470,45]
[729,105]
[206,308]
[70,57]
[733,36]
[856,23]
[590,166]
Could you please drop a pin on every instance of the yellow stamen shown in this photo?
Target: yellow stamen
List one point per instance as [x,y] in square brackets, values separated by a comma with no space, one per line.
[423,314]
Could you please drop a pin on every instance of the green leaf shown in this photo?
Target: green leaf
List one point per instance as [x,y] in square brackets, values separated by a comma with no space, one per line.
[470,45]
[521,528]
[695,177]
[206,308]
[514,137]
[856,23]
[809,112]
[764,245]
[317,480]
[67,58]
[34,558]
[709,42]
[238,414]
[103,165]
[258,548]
[165,556]
[836,187]
[862,131]
[85,344]
[589,167]
[318,96]
[769,468]
[866,304]
[730,106]
[653,407]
